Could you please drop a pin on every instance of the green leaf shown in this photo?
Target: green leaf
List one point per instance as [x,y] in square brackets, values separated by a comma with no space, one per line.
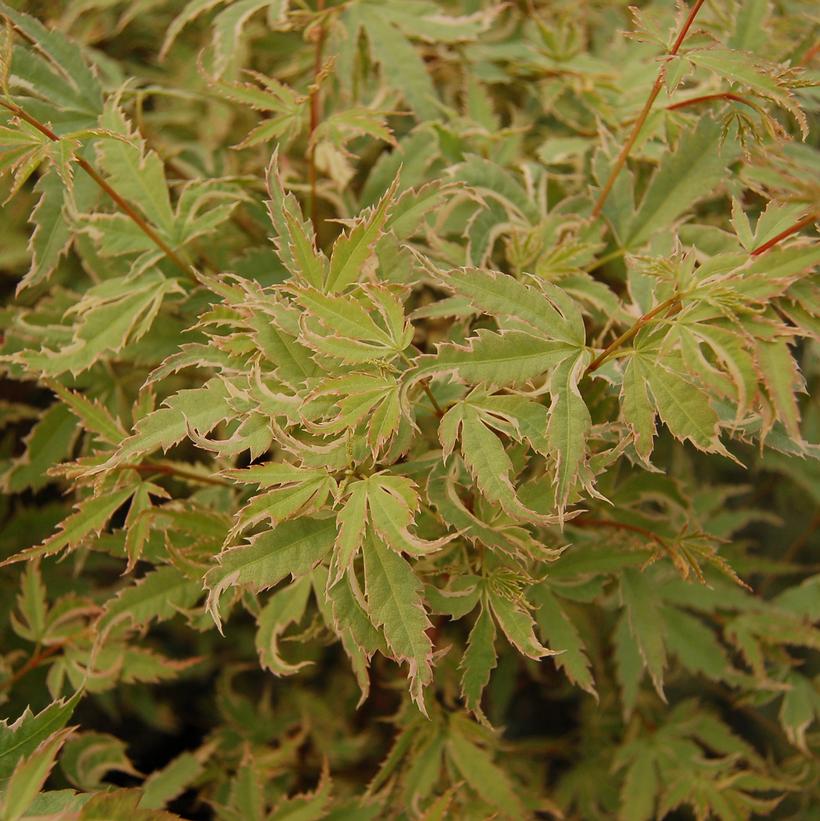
[352,521]
[638,795]
[402,66]
[646,623]
[762,79]
[298,491]
[426,21]
[781,378]
[384,505]
[29,776]
[32,605]
[200,409]
[93,416]
[347,328]
[344,614]
[569,426]
[189,13]
[89,757]
[424,768]
[353,255]
[283,608]
[23,736]
[121,803]
[90,517]
[560,632]
[637,409]
[229,24]
[292,549]
[52,233]
[79,88]
[749,33]
[159,595]
[341,127]
[799,710]
[628,665]
[307,806]
[478,661]
[695,645]
[393,594]
[686,175]
[49,442]
[477,769]
[491,180]
[295,240]
[171,781]
[684,408]
[137,176]
[392,502]
[412,208]
[541,305]
[495,360]
[364,400]
[517,624]
[113,315]
[486,459]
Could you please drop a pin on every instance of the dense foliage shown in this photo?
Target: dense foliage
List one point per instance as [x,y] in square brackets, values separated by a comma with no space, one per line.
[406,409]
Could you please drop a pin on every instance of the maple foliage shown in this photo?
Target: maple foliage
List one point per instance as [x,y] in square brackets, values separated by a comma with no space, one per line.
[409,409]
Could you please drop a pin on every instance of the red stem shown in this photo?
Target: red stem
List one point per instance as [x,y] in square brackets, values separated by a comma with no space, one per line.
[705,98]
[123,204]
[34,661]
[627,335]
[315,118]
[170,470]
[613,525]
[639,123]
[810,54]
[670,303]
[798,226]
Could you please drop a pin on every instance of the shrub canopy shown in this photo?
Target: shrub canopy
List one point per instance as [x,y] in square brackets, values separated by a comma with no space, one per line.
[405,409]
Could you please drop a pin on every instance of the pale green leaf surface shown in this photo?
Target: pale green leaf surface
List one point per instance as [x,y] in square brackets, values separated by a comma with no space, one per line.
[394,603]
[646,623]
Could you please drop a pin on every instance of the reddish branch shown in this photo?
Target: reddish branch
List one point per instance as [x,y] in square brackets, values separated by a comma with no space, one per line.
[34,661]
[639,123]
[179,473]
[793,229]
[123,204]
[707,98]
[810,54]
[586,521]
[666,305]
[670,304]
[315,117]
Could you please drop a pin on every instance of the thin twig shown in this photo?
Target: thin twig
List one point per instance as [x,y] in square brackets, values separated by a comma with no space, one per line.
[798,226]
[123,204]
[33,662]
[807,58]
[436,407]
[611,524]
[170,470]
[666,305]
[674,300]
[315,117]
[792,552]
[639,123]
[426,388]
[706,98]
